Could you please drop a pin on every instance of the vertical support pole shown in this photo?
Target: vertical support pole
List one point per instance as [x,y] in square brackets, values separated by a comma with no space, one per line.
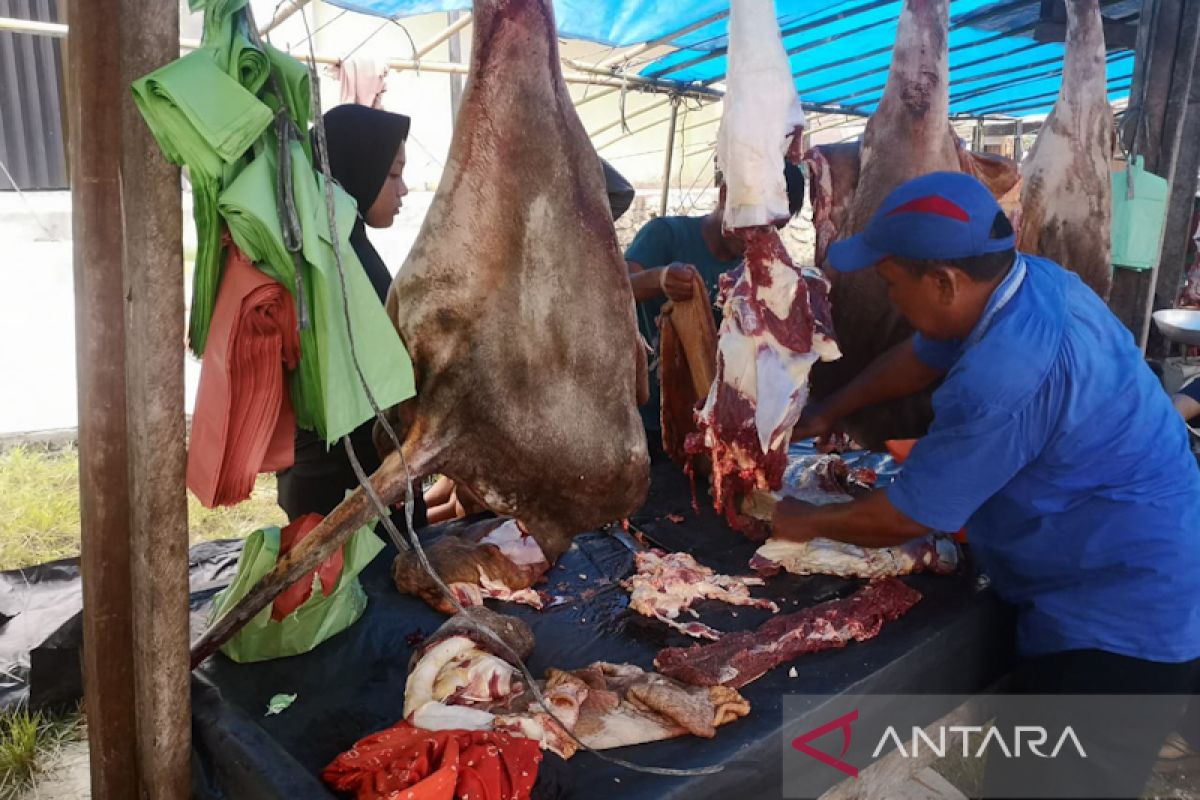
[96,97]
[666,184]
[1018,143]
[454,45]
[977,136]
[1167,275]
[154,315]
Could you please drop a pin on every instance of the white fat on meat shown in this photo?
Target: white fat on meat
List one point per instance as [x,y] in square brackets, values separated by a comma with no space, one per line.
[516,545]
[434,716]
[470,594]
[933,553]
[418,690]
[456,669]
[761,111]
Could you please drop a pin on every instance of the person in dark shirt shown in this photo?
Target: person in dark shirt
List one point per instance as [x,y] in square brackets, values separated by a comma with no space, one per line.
[663,256]
[366,157]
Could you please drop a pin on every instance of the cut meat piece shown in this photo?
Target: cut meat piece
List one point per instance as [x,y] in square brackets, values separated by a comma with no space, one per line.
[933,553]
[457,683]
[666,584]
[776,317]
[1066,199]
[489,559]
[776,326]
[739,658]
[687,365]
[525,390]
[825,479]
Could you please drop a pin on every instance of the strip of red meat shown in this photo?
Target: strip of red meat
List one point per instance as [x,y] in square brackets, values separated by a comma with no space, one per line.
[739,658]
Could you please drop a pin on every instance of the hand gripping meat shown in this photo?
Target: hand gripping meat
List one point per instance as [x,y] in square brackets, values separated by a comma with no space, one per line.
[516,307]
[1066,195]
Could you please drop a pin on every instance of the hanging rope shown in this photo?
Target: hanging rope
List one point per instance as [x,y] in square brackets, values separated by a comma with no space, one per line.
[381,509]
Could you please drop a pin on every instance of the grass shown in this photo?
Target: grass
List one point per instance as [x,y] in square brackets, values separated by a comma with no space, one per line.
[28,742]
[39,508]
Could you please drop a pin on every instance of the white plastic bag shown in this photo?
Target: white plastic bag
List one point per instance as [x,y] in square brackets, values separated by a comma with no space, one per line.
[761,111]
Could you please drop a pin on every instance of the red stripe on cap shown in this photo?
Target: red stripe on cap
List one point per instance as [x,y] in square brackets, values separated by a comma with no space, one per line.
[933,204]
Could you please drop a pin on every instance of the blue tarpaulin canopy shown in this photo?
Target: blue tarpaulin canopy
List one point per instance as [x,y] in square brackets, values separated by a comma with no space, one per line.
[840,49]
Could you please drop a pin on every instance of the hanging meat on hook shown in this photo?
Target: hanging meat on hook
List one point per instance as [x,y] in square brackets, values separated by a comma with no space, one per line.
[775,322]
[1066,190]
[908,135]
[516,308]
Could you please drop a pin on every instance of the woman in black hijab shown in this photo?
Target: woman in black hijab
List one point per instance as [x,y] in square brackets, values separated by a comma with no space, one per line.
[366,157]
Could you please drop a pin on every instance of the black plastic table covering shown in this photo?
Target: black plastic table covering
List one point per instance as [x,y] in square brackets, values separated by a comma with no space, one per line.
[958,639]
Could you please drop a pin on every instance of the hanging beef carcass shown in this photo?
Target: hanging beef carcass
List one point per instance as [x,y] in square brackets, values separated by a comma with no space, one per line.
[1066,194]
[908,135]
[516,307]
[775,322]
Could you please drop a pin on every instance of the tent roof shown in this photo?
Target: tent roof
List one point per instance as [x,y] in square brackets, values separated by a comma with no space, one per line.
[840,49]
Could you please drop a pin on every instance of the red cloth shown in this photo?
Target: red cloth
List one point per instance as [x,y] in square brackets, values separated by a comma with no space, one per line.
[407,763]
[243,422]
[330,570]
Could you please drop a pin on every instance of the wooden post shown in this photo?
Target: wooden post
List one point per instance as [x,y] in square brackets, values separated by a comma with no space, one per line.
[129,353]
[1162,28]
[154,316]
[96,97]
[1177,230]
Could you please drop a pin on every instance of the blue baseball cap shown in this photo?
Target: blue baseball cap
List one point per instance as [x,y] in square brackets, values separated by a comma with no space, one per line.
[939,216]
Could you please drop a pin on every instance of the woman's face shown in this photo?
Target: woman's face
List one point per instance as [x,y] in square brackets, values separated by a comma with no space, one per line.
[387,204]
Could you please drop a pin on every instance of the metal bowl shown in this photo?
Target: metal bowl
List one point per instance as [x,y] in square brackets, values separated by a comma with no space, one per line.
[1179,325]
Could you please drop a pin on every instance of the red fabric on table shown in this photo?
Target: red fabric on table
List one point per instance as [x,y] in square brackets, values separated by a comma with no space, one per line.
[329,571]
[407,763]
[243,422]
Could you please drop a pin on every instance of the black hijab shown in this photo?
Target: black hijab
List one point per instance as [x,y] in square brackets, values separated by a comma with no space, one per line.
[363,143]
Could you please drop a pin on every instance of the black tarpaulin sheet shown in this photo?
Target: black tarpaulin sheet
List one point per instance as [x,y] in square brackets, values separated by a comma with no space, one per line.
[955,640]
[41,625]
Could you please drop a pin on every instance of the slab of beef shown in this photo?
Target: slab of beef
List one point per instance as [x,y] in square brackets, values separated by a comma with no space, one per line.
[933,553]
[776,325]
[777,320]
[739,658]
[490,559]
[1066,195]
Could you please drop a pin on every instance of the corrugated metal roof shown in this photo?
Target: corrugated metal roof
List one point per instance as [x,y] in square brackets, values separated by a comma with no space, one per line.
[31,126]
[840,49]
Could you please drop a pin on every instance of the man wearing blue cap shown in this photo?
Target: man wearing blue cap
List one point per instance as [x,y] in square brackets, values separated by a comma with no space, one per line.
[1053,442]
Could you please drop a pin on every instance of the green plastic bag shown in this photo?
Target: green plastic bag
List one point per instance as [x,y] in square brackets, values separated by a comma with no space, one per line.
[1139,200]
[319,618]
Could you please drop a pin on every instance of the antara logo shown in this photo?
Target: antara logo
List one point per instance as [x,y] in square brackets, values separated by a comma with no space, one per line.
[1026,738]
[843,723]
[1033,737]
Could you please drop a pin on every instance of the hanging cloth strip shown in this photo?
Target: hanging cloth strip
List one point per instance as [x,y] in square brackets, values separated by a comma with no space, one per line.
[416,764]
[243,422]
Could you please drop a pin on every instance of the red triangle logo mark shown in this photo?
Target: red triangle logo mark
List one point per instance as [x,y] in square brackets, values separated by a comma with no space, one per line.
[843,723]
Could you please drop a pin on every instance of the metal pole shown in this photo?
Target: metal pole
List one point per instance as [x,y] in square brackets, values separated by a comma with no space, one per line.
[454,49]
[284,15]
[96,96]
[154,317]
[457,20]
[666,185]
[1018,142]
